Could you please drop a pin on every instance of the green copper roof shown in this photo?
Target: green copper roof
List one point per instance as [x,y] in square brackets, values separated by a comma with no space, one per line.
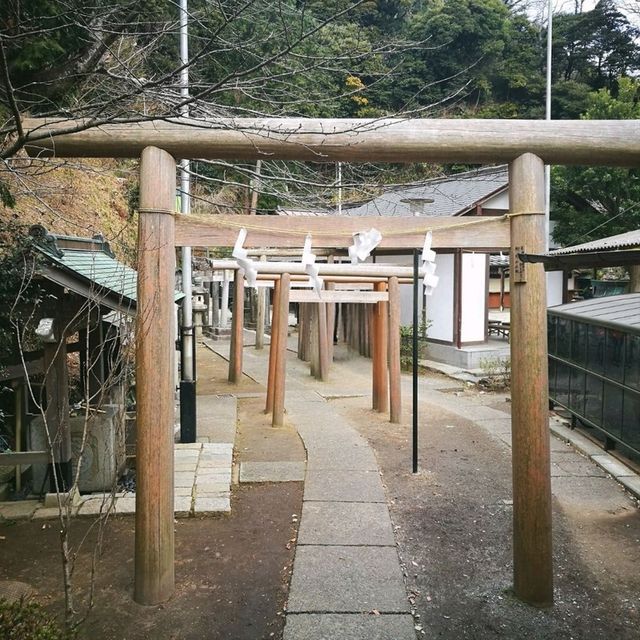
[88,267]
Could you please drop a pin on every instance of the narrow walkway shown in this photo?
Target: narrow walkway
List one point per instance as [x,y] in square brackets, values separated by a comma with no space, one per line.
[347,580]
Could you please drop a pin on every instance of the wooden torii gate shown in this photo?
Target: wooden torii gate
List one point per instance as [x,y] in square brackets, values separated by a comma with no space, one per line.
[525,145]
[385,280]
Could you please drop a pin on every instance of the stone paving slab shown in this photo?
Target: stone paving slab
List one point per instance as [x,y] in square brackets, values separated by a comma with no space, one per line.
[574,465]
[184,479]
[334,435]
[611,465]
[588,492]
[216,448]
[201,488]
[94,507]
[51,513]
[211,505]
[496,425]
[21,510]
[182,506]
[345,524]
[272,471]
[631,483]
[343,486]
[345,626]
[347,579]
[216,418]
[334,458]
[342,450]
[581,442]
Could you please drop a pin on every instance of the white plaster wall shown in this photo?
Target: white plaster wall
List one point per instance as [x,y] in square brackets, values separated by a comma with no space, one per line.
[554,288]
[499,201]
[440,304]
[406,290]
[473,297]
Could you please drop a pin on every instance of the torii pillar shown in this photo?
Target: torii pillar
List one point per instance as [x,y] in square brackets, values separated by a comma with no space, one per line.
[532,545]
[154,535]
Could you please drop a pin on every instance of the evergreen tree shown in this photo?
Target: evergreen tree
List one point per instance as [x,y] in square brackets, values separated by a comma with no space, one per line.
[595,202]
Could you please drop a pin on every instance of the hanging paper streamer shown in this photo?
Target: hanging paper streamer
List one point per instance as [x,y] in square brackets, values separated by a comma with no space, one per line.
[244,262]
[364,242]
[430,281]
[308,261]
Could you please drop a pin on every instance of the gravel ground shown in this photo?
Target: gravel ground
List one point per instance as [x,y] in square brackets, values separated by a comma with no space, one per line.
[453,529]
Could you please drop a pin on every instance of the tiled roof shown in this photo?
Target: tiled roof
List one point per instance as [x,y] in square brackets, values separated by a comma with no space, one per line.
[622,311]
[89,264]
[450,196]
[627,240]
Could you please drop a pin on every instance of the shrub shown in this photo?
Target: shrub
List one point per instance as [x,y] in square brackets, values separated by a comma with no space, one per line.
[496,373]
[26,620]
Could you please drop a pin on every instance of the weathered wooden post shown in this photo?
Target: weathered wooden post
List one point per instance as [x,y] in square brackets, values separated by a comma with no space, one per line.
[57,411]
[380,349]
[154,536]
[532,545]
[237,329]
[395,394]
[301,330]
[314,344]
[224,311]
[273,346]
[331,323]
[281,362]
[323,347]
[262,303]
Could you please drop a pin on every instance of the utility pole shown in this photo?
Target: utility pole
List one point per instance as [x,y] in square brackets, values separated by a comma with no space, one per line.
[339,180]
[188,377]
[547,168]
[255,189]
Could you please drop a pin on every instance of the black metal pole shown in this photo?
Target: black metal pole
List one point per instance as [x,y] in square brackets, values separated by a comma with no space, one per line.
[416,284]
[188,395]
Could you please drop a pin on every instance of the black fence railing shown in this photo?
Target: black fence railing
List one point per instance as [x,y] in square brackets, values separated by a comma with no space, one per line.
[594,373]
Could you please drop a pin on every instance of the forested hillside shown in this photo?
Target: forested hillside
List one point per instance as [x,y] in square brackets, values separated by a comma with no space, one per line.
[323,58]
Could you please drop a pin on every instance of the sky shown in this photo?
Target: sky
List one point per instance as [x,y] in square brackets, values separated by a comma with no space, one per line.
[567,6]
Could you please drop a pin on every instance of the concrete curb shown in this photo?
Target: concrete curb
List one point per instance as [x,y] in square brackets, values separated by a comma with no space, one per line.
[626,476]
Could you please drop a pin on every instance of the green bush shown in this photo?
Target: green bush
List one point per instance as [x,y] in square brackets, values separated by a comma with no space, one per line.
[406,344]
[496,373]
[27,620]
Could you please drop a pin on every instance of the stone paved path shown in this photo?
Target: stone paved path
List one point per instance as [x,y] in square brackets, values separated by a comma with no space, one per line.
[347,581]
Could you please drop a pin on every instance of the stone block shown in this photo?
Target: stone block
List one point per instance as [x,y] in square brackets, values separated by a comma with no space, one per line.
[182,506]
[611,465]
[632,484]
[50,513]
[343,486]
[214,476]
[212,505]
[345,523]
[104,448]
[125,506]
[21,510]
[347,579]
[211,487]
[223,493]
[183,479]
[272,471]
[345,626]
[186,468]
[217,448]
[95,507]
[188,446]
